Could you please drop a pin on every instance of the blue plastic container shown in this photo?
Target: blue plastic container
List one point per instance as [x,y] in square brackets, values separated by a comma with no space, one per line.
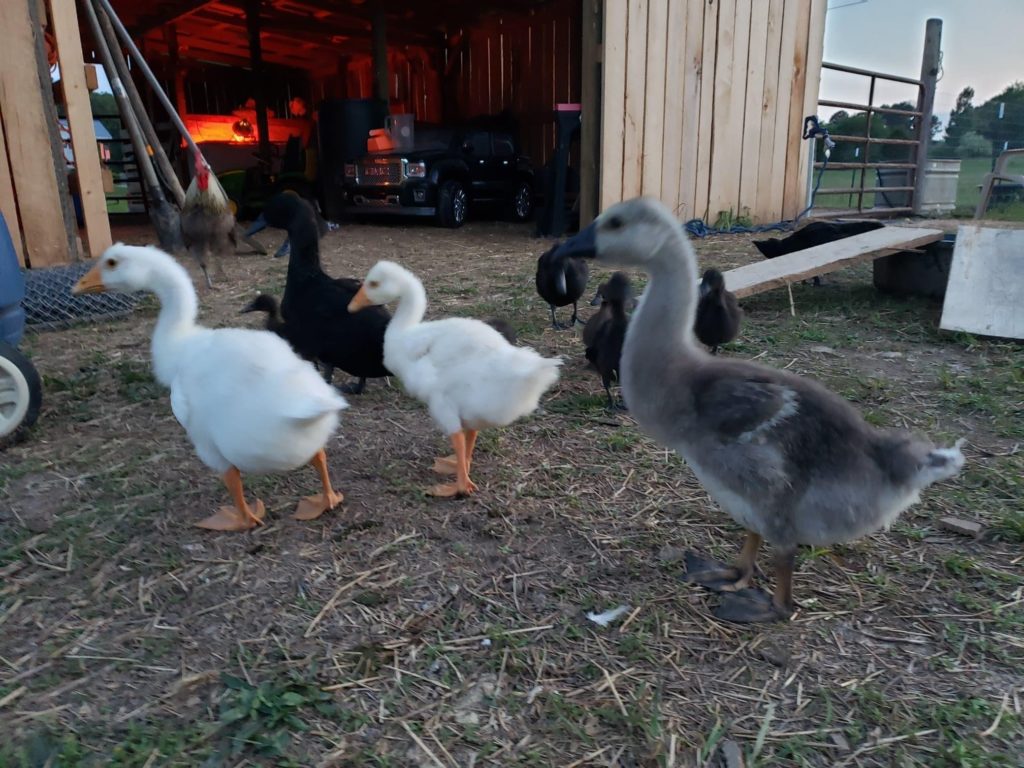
[12,289]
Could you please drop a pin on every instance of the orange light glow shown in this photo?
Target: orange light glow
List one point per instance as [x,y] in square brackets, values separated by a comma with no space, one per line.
[221,128]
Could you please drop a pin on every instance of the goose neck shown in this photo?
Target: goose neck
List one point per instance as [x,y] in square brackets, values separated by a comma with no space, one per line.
[412,304]
[176,321]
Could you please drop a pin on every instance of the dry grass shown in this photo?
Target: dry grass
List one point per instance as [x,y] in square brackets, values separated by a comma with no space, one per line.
[406,631]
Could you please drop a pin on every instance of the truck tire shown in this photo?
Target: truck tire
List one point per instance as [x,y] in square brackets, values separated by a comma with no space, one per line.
[21,393]
[452,204]
[520,207]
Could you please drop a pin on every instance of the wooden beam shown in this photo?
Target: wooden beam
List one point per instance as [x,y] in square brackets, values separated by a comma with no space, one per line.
[381,85]
[986,283]
[821,259]
[28,142]
[166,15]
[8,205]
[653,136]
[590,103]
[613,99]
[252,18]
[931,61]
[636,92]
[80,126]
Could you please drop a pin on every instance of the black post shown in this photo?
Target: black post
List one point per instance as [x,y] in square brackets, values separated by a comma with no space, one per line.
[380,55]
[252,20]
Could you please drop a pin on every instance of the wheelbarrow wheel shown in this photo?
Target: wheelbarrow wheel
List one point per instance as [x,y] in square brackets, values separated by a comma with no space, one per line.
[21,393]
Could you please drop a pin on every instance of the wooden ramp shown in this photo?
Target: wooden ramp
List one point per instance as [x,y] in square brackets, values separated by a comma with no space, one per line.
[986,283]
[821,259]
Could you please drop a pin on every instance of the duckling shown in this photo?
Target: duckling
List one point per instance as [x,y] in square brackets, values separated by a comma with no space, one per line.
[268,304]
[313,306]
[466,372]
[605,332]
[248,403]
[787,459]
[504,328]
[561,282]
[718,314]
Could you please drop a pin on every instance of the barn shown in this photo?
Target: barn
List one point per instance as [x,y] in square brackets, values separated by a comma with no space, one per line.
[698,102]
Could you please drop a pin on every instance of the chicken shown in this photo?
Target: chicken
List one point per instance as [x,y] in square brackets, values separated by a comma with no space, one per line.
[207,223]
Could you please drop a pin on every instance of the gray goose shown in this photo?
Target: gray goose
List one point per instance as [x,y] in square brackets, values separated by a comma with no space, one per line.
[786,458]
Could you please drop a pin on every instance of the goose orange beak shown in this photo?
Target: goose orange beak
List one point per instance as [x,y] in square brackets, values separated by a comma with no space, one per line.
[90,282]
[360,300]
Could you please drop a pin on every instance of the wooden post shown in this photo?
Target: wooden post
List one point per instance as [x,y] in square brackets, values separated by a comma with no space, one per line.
[83,136]
[37,14]
[590,101]
[926,102]
[252,20]
[27,142]
[174,60]
[381,84]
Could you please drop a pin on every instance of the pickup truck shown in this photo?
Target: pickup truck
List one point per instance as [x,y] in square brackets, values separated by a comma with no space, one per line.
[447,173]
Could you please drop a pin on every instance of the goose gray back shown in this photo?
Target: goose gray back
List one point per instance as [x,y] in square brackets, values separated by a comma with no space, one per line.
[786,458]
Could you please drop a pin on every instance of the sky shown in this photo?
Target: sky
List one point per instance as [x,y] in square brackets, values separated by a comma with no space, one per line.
[980,44]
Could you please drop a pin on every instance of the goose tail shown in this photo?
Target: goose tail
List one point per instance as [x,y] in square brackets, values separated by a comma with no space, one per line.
[941,464]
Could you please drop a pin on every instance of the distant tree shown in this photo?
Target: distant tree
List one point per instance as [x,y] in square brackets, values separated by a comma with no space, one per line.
[961,118]
[1010,128]
[103,103]
[973,144]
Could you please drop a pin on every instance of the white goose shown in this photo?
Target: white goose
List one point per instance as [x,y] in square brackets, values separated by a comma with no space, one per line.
[787,459]
[247,401]
[466,372]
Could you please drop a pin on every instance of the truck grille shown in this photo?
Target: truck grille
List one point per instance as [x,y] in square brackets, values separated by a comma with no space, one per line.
[380,172]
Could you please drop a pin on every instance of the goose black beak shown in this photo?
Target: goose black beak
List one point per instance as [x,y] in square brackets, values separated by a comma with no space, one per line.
[250,307]
[596,301]
[582,245]
[704,289]
[257,226]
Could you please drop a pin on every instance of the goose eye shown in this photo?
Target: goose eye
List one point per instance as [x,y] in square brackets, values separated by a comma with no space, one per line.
[614,223]
[374,284]
[111,263]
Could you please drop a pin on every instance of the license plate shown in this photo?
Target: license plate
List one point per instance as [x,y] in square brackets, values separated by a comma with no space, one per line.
[377,170]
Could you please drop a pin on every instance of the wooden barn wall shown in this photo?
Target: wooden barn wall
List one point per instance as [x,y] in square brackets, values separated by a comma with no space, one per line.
[703,104]
[414,79]
[522,64]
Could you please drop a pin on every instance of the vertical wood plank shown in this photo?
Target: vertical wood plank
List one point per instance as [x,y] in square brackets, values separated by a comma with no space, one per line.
[708,91]
[692,76]
[636,91]
[79,116]
[652,159]
[763,210]
[613,100]
[793,195]
[590,105]
[815,51]
[753,119]
[790,22]
[675,73]
[28,140]
[8,205]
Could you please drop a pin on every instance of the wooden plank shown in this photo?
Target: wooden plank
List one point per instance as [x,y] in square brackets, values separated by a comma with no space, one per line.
[672,133]
[693,63]
[821,259]
[590,103]
[815,51]
[753,119]
[653,160]
[636,92]
[28,140]
[79,116]
[796,186]
[986,283]
[8,205]
[790,21]
[708,89]
[763,210]
[613,101]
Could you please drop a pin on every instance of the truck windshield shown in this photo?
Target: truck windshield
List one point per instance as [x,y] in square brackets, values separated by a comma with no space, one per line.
[432,138]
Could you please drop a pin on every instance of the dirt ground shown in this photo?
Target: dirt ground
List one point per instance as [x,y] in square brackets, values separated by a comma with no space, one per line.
[409,631]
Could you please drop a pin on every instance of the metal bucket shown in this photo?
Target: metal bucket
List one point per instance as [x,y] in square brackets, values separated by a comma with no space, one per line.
[938,195]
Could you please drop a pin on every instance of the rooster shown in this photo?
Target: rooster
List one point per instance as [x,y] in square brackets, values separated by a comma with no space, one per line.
[207,223]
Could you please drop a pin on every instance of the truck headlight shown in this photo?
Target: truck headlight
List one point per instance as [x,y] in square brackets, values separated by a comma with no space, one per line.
[350,170]
[416,170]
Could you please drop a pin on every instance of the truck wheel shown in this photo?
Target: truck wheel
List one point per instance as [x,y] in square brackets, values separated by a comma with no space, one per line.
[521,205]
[452,205]
[21,392]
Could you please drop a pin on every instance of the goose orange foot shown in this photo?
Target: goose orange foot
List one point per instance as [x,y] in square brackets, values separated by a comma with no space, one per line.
[445,465]
[232,519]
[448,490]
[311,507]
